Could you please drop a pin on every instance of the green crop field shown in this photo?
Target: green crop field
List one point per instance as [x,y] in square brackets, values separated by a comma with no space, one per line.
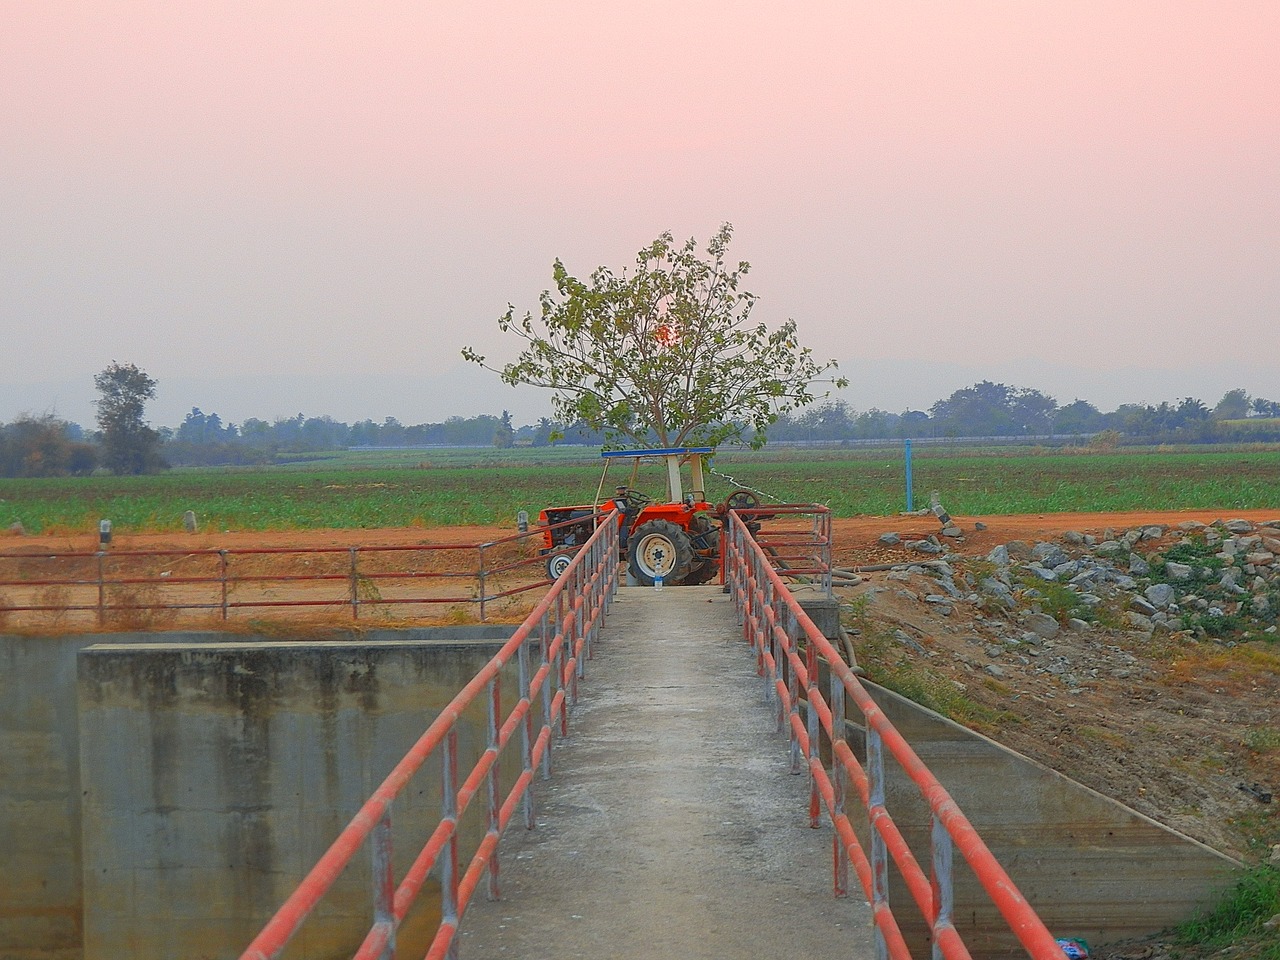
[363,489]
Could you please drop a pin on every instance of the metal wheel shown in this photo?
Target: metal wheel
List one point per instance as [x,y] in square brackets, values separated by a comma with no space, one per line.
[557,564]
[659,548]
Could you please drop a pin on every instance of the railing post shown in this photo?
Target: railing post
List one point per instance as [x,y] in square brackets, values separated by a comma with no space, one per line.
[940,880]
[384,882]
[526,729]
[838,776]
[815,730]
[480,576]
[449,856]
[879,857]
[495,801]
[222,578]
[793,688]
[548,692]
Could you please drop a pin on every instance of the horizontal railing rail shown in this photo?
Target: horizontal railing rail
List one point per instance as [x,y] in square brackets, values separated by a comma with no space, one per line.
[110,583]
[560,631]
[777,626]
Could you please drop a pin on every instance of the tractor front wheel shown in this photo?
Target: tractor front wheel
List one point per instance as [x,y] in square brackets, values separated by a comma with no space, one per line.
[659,548]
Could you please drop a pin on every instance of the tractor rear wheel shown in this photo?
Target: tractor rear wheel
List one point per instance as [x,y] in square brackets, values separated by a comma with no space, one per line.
[659,548]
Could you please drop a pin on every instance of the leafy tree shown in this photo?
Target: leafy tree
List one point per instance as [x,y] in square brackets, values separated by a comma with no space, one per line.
[504,435]
[1265,408]
[44,447]
[667,355]
[1234,405]
[1078,416]
[129,444]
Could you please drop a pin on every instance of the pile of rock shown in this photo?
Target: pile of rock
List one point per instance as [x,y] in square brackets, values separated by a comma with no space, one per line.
[1218,579]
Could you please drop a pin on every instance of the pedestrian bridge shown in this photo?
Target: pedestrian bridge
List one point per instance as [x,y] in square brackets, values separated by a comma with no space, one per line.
[696,763]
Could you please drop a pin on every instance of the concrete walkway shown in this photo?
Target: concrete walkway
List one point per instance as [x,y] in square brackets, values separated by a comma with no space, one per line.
[671,827]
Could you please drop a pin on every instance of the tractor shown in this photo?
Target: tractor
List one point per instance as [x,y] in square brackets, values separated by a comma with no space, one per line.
[676,540]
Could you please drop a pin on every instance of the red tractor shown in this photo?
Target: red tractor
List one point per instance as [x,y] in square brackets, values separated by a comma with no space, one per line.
[676,540]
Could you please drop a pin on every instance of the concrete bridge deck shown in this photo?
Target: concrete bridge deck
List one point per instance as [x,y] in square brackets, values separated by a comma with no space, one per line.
[671,827]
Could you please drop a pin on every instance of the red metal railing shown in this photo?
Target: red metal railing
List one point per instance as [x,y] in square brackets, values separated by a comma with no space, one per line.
[561,630]
[774,623]
[109,583]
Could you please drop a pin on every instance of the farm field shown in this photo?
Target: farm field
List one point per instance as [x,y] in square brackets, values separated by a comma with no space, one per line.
[359,490]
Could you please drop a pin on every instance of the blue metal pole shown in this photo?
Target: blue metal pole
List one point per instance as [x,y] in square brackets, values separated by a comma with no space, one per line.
[906,447]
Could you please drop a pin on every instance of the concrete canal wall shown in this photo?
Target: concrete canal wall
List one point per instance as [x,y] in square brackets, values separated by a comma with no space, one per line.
[161,794]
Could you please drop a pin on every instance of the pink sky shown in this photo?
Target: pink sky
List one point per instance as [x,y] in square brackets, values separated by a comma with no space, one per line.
[239,189]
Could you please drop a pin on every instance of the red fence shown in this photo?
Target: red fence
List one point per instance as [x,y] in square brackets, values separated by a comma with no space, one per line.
[776,626]
[560,632]
[131,585]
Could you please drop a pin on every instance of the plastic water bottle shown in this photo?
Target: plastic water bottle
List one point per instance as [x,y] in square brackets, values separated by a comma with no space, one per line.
[657,584]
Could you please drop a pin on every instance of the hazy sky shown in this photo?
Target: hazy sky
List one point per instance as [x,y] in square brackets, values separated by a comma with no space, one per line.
[279,207]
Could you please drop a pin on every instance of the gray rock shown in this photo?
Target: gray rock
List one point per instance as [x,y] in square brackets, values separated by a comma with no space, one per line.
[1131,537]
[1138,622]
[1137,566]
[1160,594]
[993,670]
[1019,549]
[1152,533]
[1142,605]
[907,640]
[1042,625]
[1043,573]
[1177,571]
[979,525]
[1109,548]
[1238,526]
[1076,625]
[1067,570]
[1073,537]
[890,539]
[924,546]
[951,530]
[189,521]
[1049,555]
[1260,605]
[1260,558]
[997,591]
[999,555]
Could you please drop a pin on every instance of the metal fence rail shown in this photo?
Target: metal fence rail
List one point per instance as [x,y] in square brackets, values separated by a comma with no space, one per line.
[775,625]
[113,583]
[559,633]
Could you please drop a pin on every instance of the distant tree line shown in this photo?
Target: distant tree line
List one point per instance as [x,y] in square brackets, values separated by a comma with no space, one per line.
[989,409]
[48,446]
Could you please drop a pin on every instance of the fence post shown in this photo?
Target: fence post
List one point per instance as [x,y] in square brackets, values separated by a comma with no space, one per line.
[102,590]
[481,578]
[222,578]
[906,452]
[355,586]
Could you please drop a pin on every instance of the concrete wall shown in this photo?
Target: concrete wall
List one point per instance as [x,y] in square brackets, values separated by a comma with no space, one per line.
[40,898]
[1090,866]
[41,863]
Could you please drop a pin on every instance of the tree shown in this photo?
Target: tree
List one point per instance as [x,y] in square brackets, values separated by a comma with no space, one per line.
[1234,405]
[667,356]
[129,444]
[504,434]
[44,447]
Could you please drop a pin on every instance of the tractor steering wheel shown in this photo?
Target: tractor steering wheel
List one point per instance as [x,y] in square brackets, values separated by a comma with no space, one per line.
[742,500]
[636,499]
